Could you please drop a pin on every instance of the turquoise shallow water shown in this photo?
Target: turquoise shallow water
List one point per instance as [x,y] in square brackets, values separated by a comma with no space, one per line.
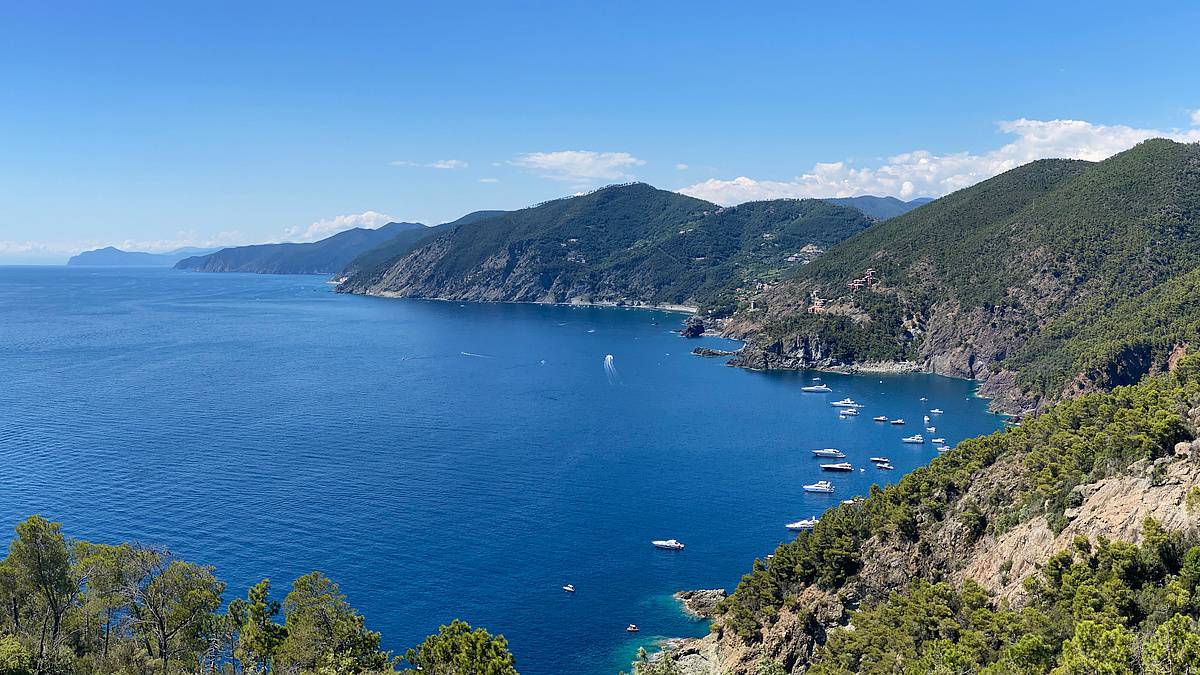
[438,460]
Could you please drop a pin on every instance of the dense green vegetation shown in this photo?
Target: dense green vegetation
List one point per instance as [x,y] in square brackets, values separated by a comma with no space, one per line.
[623,242]
[376,260]
[1082,268]
[326,256]
[1102,607]
[78,607]
[1075,442]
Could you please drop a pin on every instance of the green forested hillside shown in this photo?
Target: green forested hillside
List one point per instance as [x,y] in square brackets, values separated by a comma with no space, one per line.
[326,256]
[370,261]
[629,243]
[71,606]
[1099,603]
[1049,270]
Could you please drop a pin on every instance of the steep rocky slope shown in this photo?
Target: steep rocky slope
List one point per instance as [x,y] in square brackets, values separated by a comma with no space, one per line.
[993,511]
[1054,278]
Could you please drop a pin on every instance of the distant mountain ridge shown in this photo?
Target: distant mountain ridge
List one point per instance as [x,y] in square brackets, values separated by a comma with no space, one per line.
[626,244]
[327,256]
[110,256]
[880,208]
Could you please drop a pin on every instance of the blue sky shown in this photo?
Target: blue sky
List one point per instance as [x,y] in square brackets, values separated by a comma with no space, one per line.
[151,125]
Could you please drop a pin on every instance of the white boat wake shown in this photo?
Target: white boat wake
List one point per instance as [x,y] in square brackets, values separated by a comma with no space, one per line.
[610,370]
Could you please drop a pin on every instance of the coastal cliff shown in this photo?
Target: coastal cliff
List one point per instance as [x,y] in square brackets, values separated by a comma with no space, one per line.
[621,245]
[995,514]
[1054,279]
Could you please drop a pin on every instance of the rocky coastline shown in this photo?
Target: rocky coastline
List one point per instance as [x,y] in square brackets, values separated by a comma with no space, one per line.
[701,603]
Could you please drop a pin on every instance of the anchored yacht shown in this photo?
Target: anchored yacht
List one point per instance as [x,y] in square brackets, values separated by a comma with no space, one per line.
[819,486]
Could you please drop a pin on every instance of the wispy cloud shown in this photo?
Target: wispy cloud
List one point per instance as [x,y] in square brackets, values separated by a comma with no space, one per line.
[681,167]
[489,180]
[579,166]
[1196,117]
[924,173]
[439,164]
[331,226]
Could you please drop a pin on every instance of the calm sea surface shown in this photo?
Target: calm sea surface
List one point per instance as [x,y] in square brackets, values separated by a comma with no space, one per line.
[438,460]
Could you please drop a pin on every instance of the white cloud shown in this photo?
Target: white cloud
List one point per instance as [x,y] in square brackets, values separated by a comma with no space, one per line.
[922,173]
[1196,117]
[579,165]
[489,180]
[439,164]
[681,166]
[330,226]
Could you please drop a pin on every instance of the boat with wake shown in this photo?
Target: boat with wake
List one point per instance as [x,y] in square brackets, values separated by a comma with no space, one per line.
[668,544]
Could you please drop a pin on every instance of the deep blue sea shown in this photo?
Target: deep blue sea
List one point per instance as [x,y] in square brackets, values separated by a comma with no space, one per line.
[437,460]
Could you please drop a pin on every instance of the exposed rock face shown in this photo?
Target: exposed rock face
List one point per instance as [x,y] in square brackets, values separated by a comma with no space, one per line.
[702,603]
[694,327]
[707,351]
[1114,508]
[949,342]
[948,550]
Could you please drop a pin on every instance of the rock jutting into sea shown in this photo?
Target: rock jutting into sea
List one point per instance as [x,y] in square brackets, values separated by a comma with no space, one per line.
[702,603]
[708,351]
[693,328]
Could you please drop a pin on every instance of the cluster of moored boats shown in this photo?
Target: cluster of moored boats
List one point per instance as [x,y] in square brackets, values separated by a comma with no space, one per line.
[847,408]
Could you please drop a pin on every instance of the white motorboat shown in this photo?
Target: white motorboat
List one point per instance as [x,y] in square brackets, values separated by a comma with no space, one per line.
[924,399]
[816,389]
[829,452]
[845,403]
[916,438]
[943,448]
[897,422]
[805,524]
[880,460]
[940,441]
[932,430]
[884,466]
[881,418]
[927,419]
[849,412]
[840,466]
[819,486]
[668,544]
[570,588]
[936,411]
[632,628]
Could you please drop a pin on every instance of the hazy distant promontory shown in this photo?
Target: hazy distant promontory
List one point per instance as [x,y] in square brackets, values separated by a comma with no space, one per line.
[327,256]
[110,256]
[880,208]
